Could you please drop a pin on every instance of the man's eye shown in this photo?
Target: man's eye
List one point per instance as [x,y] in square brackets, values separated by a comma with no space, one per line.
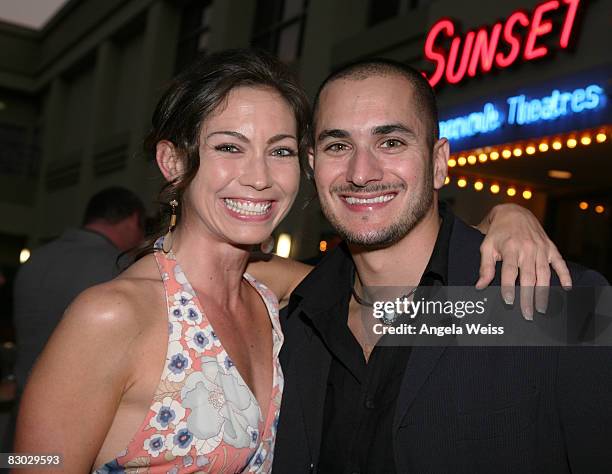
[336,147]
[226,148]
[392,143]
[284,152]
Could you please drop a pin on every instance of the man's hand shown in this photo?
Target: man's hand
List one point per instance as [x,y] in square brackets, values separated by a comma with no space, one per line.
[515,236]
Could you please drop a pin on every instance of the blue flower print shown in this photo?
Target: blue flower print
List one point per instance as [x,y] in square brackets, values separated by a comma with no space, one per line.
[178,362]
[181,441]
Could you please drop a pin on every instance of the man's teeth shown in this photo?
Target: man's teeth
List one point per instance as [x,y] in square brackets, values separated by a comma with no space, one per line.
[248,208]
[377,199]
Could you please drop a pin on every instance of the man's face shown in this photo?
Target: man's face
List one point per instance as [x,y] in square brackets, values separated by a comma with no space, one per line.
[374,170]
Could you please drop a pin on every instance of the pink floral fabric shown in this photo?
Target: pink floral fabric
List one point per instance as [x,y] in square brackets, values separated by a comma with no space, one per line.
[203,417]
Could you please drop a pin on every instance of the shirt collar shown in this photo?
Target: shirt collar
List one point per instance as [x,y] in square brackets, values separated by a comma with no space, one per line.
[329,284]
[437,267]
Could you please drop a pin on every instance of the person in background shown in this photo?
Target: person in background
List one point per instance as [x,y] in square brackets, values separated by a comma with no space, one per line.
[59,270]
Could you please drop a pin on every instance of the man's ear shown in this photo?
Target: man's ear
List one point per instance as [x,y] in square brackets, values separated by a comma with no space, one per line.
[170,164]
[441,153]
[311,158]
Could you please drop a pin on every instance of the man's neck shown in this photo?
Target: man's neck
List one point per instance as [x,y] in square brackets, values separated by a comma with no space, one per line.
[403,263]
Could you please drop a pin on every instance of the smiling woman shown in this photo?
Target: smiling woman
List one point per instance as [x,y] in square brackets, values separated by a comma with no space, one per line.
[193,381]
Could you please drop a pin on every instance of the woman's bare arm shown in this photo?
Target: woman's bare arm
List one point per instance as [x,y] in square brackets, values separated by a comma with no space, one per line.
[514,236]
[76,386]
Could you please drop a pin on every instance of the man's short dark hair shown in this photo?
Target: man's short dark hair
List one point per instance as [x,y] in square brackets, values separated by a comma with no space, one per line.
[365,68]
[113,205]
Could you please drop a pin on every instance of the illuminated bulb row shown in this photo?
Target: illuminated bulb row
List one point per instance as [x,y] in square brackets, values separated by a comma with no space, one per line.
[494,188]
[507,152]
[599,208]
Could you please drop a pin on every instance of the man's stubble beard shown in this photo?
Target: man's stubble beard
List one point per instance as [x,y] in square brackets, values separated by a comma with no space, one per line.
[418,205]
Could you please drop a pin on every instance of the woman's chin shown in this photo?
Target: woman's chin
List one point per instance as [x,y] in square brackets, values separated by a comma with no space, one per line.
[245,241]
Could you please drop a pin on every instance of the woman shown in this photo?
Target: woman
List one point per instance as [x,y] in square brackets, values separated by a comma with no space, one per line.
[173,366]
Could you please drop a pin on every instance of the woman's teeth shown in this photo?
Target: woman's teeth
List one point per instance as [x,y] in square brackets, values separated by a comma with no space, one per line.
[248,208]
[375,200]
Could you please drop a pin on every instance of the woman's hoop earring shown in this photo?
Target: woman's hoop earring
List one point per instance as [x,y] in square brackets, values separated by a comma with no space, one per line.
[169,237]
[267,245]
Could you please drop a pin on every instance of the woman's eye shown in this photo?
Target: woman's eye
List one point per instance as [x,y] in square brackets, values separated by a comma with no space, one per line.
[226,148]
[336,147]
[284,152]
[392,143]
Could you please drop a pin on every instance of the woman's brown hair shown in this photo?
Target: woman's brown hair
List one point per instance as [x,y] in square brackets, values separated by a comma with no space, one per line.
[195,93]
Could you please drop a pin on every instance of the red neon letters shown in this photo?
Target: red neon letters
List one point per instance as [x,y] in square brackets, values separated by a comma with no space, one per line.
[499,45]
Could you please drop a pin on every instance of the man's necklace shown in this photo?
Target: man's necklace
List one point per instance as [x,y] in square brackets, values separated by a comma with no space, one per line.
[389,317]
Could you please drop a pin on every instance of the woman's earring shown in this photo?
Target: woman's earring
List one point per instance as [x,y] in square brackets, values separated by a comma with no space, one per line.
[267,245]
[169,237]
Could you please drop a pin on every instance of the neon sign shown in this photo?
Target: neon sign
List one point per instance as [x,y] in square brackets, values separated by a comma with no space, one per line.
[519,110]
[499,45]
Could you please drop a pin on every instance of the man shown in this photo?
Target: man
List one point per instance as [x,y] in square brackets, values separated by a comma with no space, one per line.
[58,271]
[349,407]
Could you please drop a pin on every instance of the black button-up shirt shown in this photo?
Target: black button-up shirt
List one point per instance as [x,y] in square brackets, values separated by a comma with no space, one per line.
[361,397]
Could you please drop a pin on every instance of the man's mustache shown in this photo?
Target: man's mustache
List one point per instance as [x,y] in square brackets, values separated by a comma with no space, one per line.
[373,188]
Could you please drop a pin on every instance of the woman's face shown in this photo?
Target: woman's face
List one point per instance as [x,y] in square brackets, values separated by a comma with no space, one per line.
[249,169]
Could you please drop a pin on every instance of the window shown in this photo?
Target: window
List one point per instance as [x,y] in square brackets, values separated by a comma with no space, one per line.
[279,27]
[381,11]
[18,150]
[195,31]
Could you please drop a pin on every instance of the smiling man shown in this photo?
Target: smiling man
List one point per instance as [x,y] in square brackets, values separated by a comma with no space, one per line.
[351,406]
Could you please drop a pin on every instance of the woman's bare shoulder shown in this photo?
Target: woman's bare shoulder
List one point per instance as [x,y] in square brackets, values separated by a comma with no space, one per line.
[120,305]
[280,274]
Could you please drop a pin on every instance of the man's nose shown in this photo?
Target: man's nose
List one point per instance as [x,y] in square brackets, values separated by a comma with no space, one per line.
[364,168]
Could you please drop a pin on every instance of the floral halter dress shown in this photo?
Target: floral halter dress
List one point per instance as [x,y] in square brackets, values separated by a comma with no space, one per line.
[203,416]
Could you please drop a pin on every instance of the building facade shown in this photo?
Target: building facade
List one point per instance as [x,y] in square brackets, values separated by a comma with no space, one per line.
[518,77]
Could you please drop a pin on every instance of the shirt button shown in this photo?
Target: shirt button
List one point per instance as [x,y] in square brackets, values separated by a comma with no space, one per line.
[369,403]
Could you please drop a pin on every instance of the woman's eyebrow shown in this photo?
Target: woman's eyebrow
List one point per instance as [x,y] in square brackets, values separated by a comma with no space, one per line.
[237,135]
[279,137]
